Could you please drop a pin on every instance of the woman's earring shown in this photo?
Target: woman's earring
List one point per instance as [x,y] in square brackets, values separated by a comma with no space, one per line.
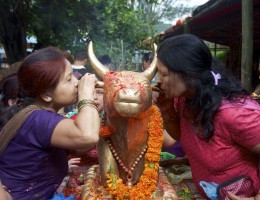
[49,98]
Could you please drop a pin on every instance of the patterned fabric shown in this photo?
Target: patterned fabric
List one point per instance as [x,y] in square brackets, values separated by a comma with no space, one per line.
[227,153]
[30,167]
[240,186]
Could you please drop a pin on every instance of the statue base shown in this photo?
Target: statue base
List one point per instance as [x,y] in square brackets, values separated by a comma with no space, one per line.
[92,188]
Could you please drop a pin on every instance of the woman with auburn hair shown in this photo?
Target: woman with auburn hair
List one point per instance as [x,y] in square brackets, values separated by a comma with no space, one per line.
[213,116]
[34,137]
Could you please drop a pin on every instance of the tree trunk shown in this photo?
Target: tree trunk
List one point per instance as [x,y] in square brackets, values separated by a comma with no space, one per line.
[13,28]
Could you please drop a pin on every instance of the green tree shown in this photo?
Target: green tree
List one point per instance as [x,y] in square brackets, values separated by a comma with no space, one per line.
[14,17]
[117,27]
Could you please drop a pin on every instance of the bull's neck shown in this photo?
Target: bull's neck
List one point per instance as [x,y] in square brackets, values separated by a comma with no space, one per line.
[129,136]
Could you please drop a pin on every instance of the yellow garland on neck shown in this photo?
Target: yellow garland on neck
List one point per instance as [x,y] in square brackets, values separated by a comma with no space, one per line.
[148,180]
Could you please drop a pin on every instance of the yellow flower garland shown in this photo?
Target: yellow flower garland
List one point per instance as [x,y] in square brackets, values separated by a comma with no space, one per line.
[148,180]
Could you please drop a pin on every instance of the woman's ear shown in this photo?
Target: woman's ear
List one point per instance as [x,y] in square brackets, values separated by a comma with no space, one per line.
[12,102]
[46,97]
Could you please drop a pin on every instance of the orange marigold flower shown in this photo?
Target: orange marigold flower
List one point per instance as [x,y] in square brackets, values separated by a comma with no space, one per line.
[104,131]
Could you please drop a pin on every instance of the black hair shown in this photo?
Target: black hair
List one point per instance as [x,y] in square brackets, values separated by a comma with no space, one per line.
[148,57]
[189,56]
[80,55]
[10,88]
[105,59]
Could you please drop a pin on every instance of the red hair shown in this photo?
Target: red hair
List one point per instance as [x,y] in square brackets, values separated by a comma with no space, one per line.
[41,71]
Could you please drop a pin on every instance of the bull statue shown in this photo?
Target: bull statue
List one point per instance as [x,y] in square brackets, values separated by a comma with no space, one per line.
[127,103]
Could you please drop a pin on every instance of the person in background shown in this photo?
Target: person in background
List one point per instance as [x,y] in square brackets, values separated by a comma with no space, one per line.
[79,162]
[213,116]
[10,90]
[79,70]
[34,138]
[80,62]
[106,61]
[91,157]
[146,60]
[69,56]
[171,145]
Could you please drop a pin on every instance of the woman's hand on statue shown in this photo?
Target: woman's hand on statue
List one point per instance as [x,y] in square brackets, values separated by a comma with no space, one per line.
[163,103]
[86,86]
[234,197]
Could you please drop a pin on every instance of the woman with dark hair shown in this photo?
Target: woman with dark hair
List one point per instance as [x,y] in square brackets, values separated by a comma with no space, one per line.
[213,116]
[34,137]
[10,90]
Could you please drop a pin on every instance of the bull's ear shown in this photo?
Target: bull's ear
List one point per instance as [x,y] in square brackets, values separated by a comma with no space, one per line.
[97,66]
[152,69]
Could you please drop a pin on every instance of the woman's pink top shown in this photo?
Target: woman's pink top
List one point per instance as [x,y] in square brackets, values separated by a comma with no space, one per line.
[227,154]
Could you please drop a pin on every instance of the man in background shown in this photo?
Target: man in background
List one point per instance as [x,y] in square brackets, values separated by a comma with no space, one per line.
[79,65]
[79,70]
[106,61]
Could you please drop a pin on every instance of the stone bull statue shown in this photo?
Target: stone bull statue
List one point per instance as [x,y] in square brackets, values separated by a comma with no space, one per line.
[127,99]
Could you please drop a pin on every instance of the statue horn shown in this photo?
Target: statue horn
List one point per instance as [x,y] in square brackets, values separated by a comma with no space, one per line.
[97,66]
[152,69]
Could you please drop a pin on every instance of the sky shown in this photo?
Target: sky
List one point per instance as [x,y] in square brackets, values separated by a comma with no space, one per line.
[192,3]
[188,3]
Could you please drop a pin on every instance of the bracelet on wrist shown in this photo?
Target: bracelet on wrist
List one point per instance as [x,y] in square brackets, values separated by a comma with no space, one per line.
[86,102]
[83,101]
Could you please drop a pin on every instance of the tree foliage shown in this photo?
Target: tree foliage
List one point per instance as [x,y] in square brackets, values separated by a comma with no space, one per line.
[117,27]
[13,26]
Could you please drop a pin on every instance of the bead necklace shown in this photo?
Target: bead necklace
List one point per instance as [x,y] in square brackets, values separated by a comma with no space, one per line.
[130,170]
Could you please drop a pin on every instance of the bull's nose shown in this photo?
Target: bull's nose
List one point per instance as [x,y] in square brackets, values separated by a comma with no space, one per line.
[129,95]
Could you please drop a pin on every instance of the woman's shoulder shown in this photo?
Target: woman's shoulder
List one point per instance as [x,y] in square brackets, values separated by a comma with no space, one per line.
[44,117]
[43,122]
[48,113]
[248,103]
[232,112]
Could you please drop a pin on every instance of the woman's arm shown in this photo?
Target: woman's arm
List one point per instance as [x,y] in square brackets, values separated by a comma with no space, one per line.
[169,115]
[168,141]
[4,194]
[83,132]
[171,123]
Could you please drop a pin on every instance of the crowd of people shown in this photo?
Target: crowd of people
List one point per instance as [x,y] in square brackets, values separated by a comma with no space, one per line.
[203,107]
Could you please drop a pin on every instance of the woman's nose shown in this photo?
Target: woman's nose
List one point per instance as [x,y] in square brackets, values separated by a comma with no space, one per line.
[95,96]
[158,78]
[76,81]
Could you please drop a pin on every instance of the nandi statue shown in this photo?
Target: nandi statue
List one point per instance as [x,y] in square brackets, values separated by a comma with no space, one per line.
[130,143]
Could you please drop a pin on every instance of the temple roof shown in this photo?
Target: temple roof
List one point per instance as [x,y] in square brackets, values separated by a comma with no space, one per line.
[218,21]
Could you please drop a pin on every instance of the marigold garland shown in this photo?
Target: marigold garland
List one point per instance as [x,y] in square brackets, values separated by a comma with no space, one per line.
[148,180]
